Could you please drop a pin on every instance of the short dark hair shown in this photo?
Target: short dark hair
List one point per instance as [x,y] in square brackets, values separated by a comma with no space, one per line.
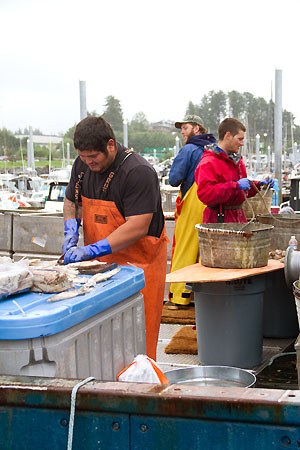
[93,133]
[232,125]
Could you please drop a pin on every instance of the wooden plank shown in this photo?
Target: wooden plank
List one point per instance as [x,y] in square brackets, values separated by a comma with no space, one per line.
[197,273]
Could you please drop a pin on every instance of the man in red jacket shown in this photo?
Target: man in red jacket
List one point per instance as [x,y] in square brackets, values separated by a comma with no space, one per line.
[221,176]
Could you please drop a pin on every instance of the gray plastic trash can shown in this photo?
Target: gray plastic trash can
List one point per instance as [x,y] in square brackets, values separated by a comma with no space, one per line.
[229,319]
[280,315]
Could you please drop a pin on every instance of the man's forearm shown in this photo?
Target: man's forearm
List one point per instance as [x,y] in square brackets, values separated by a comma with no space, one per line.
[134,228]
[69,210]
[129,232]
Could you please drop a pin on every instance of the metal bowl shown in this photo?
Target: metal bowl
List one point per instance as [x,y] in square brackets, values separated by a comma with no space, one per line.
[212,376]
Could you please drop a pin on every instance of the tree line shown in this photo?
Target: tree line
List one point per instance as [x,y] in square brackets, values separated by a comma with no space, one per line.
[255,112]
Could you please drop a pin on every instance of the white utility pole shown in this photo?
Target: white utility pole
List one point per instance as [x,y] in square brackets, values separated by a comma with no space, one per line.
[176,150]
[125,131]
[278,131]
[82,93]
[68,153]
[258,164]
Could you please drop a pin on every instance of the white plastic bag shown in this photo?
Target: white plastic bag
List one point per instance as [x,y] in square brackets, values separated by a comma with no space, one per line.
[144,370]
[14,277]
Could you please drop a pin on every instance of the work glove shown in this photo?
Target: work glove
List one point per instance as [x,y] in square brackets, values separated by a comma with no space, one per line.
[244,184]
[71,234]
[266,181]
[76,254]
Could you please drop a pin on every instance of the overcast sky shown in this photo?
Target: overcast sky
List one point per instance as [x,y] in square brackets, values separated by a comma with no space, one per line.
[154,56]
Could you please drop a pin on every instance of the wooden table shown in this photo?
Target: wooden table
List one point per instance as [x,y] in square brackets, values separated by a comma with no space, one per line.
[197,273]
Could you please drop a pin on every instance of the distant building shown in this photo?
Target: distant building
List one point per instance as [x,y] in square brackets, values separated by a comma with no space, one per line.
[41,139]
[163,125]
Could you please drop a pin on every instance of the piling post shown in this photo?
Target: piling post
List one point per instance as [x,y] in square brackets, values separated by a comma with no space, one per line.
[31,150]
[278,131]
[82,93]
[258,163]
[269,158]
[68,153]
[125,132]
[28,154]
[176,149]
[295,147]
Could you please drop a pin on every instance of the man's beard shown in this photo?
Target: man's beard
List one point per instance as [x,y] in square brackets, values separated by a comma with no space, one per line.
[186,138]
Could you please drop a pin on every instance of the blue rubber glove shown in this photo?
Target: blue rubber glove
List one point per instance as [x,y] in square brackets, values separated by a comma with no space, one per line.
[76,254]
[71,234]
[244,184]
[266,181]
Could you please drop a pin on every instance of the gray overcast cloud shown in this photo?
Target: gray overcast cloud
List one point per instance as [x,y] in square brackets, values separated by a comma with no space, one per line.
[154,57]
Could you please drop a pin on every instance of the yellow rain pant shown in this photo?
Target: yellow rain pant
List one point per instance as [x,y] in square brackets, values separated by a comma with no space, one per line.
[185,249]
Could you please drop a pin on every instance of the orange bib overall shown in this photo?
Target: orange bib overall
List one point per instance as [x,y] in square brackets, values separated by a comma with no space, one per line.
[100,219]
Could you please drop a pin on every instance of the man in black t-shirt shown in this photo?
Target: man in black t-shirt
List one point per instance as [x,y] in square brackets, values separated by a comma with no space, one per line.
[118,198]
[135,189]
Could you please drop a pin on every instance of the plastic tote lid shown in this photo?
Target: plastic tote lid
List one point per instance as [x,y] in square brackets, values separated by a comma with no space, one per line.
[44,319]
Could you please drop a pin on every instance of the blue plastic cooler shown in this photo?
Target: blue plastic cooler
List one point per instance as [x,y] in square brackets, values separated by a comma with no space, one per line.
[96,334]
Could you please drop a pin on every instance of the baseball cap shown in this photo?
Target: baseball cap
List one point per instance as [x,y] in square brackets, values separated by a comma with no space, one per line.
[190,118]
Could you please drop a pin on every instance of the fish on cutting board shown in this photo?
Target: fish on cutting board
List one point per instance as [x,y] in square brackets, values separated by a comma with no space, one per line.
[102,277]
[48,281]
[69,294]
[87,287]
[88,267]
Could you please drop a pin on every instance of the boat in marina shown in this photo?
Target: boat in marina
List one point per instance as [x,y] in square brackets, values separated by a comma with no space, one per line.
[38,198]
[28,190]
[56,196]
[12,200]
[10,196]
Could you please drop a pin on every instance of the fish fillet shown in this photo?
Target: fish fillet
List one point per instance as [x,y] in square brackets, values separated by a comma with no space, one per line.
[69,294]
[87,287]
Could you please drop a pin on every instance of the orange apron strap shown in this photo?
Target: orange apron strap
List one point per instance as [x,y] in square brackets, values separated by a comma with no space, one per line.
[100,218]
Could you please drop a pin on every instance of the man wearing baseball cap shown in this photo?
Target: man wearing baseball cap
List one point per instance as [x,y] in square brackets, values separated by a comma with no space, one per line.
[191,119]
[189,209]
